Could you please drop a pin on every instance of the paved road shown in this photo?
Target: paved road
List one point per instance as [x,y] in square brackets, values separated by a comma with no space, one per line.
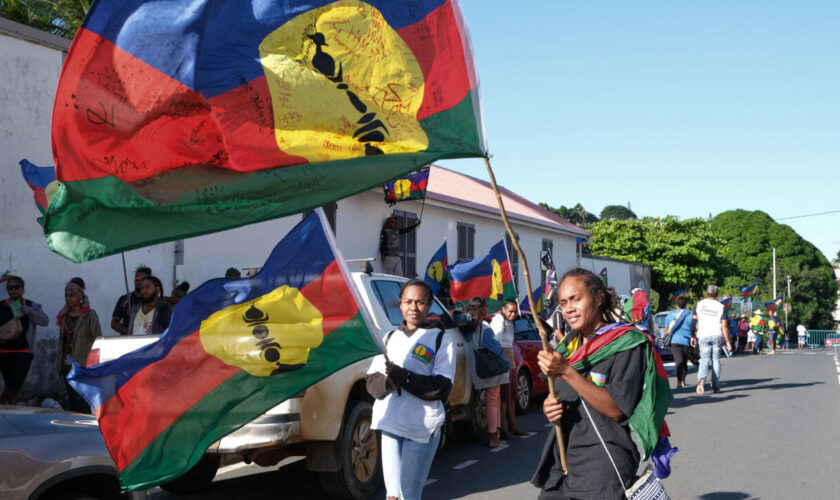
[769,434]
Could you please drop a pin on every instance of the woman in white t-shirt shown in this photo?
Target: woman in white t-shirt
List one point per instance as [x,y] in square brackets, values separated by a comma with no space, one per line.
[502,325]
[410,385]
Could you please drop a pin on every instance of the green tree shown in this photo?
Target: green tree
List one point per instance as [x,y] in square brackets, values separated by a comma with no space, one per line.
[681,253]
[576,215]
[60,17]
[749,241]
[617,212]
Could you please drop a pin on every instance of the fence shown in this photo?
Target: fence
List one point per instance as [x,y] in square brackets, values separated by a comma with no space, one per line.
[823,338]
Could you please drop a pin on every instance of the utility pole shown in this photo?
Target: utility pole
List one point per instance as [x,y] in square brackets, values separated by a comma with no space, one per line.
[786,304]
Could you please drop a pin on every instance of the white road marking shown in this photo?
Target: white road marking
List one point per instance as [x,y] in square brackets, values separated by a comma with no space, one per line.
[499,448]
[430,481]
[528,435]
[466,464]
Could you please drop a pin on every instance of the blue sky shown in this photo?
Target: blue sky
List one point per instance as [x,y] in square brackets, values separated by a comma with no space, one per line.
[679,107]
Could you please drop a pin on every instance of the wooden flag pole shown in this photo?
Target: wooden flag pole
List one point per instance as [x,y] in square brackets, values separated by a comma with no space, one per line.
[540,329]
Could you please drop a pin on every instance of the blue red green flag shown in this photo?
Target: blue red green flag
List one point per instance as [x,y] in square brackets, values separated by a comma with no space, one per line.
[436,271]
[726,301]
[5,276]
[539,296]
[749,290]
[41,180]
[411,187]
[185,117]
[488,277]
[775,303]
[234,349]
[679,293]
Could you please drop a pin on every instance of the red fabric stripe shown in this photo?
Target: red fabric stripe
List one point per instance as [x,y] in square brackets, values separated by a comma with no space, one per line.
[594,344]
[476,287]
[446,75]
[157,396]
[329,293]
[116,115]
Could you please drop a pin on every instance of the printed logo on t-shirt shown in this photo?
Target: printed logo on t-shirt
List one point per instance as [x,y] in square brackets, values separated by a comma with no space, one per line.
[423,353]
[598,379]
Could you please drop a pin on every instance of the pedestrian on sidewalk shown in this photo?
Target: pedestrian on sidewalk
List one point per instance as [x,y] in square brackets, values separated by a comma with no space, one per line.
[710,331]
[678,326]
[757,328]
[801,333]
[743,333]
[502,326]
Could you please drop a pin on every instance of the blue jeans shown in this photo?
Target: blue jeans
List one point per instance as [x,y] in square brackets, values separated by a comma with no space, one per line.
[406,464]
[709,347]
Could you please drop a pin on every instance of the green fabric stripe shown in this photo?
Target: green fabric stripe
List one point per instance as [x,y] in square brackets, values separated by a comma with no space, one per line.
[656,397]
[237,401]
[457,129]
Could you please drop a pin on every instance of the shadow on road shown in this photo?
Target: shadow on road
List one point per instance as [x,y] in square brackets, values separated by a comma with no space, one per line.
[726,495]
[697,399]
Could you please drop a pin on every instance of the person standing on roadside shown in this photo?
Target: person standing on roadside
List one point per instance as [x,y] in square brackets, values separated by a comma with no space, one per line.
[709,332]
[152,315]
[16,353]
[126,303]
[743,333]
[502,325]
[801,335]
[678,324]
[77,330]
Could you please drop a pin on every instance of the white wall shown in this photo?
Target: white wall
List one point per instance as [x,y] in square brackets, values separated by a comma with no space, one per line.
[621,275]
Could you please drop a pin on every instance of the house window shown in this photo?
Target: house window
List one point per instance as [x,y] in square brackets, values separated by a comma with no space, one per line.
[514,259]
[547,246]
[408,242]
[466,241]
[331,211]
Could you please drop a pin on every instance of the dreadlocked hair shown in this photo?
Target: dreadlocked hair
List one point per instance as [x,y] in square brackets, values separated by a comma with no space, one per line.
[601,294]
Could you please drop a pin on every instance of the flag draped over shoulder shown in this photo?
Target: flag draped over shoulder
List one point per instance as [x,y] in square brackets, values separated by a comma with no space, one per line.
[648,420]
[179,118]
[488,277]
[411,187]
[749,290]
[679,293]
[234,349]
[42,182]
[436,271]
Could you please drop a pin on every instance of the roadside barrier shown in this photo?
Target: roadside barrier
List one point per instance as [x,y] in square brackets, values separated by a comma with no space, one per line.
[817,339]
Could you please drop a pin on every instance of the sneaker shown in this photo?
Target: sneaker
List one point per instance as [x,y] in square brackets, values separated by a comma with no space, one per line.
[716,390]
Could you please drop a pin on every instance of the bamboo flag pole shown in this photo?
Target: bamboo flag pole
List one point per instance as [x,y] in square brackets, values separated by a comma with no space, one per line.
[540,329]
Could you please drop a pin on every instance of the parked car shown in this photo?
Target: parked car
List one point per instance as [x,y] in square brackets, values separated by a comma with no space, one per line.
[832,340]
[329,423]
[659,321]
[526,345]
[48,454]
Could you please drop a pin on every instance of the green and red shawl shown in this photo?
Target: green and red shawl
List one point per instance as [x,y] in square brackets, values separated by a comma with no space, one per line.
[648,420]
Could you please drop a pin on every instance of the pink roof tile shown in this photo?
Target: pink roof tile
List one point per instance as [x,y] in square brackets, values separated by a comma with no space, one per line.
[459,189]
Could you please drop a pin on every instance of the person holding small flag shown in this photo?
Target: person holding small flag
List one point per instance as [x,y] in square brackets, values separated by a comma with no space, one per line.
[389,245]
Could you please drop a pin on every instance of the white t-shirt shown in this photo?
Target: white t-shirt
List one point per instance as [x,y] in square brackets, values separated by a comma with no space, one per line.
[709,313]
[404,414]
[801,331]
[503,330]
[143,322]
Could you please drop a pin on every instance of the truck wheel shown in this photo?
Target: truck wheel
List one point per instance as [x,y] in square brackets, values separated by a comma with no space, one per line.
[197,479]
[445,431]
[474,428]
[361,466]
[524,399]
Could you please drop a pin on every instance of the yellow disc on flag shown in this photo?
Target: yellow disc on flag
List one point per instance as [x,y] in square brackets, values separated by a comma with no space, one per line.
[265,336]
[496,287]
[436,271]
[342,80]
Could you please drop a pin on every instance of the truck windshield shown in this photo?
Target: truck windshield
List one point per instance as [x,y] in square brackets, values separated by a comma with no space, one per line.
[388,295]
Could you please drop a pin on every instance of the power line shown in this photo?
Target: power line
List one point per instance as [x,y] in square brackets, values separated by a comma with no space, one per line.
[809,215]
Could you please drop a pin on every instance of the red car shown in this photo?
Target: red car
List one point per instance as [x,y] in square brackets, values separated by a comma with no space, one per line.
[526,345]
[832,340]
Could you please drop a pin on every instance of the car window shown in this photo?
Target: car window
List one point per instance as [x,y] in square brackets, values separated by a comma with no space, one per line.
[660,320]
[388,294]
[524,329]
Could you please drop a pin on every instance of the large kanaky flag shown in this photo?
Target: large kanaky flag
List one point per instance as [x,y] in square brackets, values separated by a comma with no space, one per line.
[234,349]
[42,182]
[488,277]
[436,272]
[185,117]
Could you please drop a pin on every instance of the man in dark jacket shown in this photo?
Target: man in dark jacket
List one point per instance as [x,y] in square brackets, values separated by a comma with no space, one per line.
[152,315]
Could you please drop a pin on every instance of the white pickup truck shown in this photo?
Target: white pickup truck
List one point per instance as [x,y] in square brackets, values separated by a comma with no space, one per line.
[330,422]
